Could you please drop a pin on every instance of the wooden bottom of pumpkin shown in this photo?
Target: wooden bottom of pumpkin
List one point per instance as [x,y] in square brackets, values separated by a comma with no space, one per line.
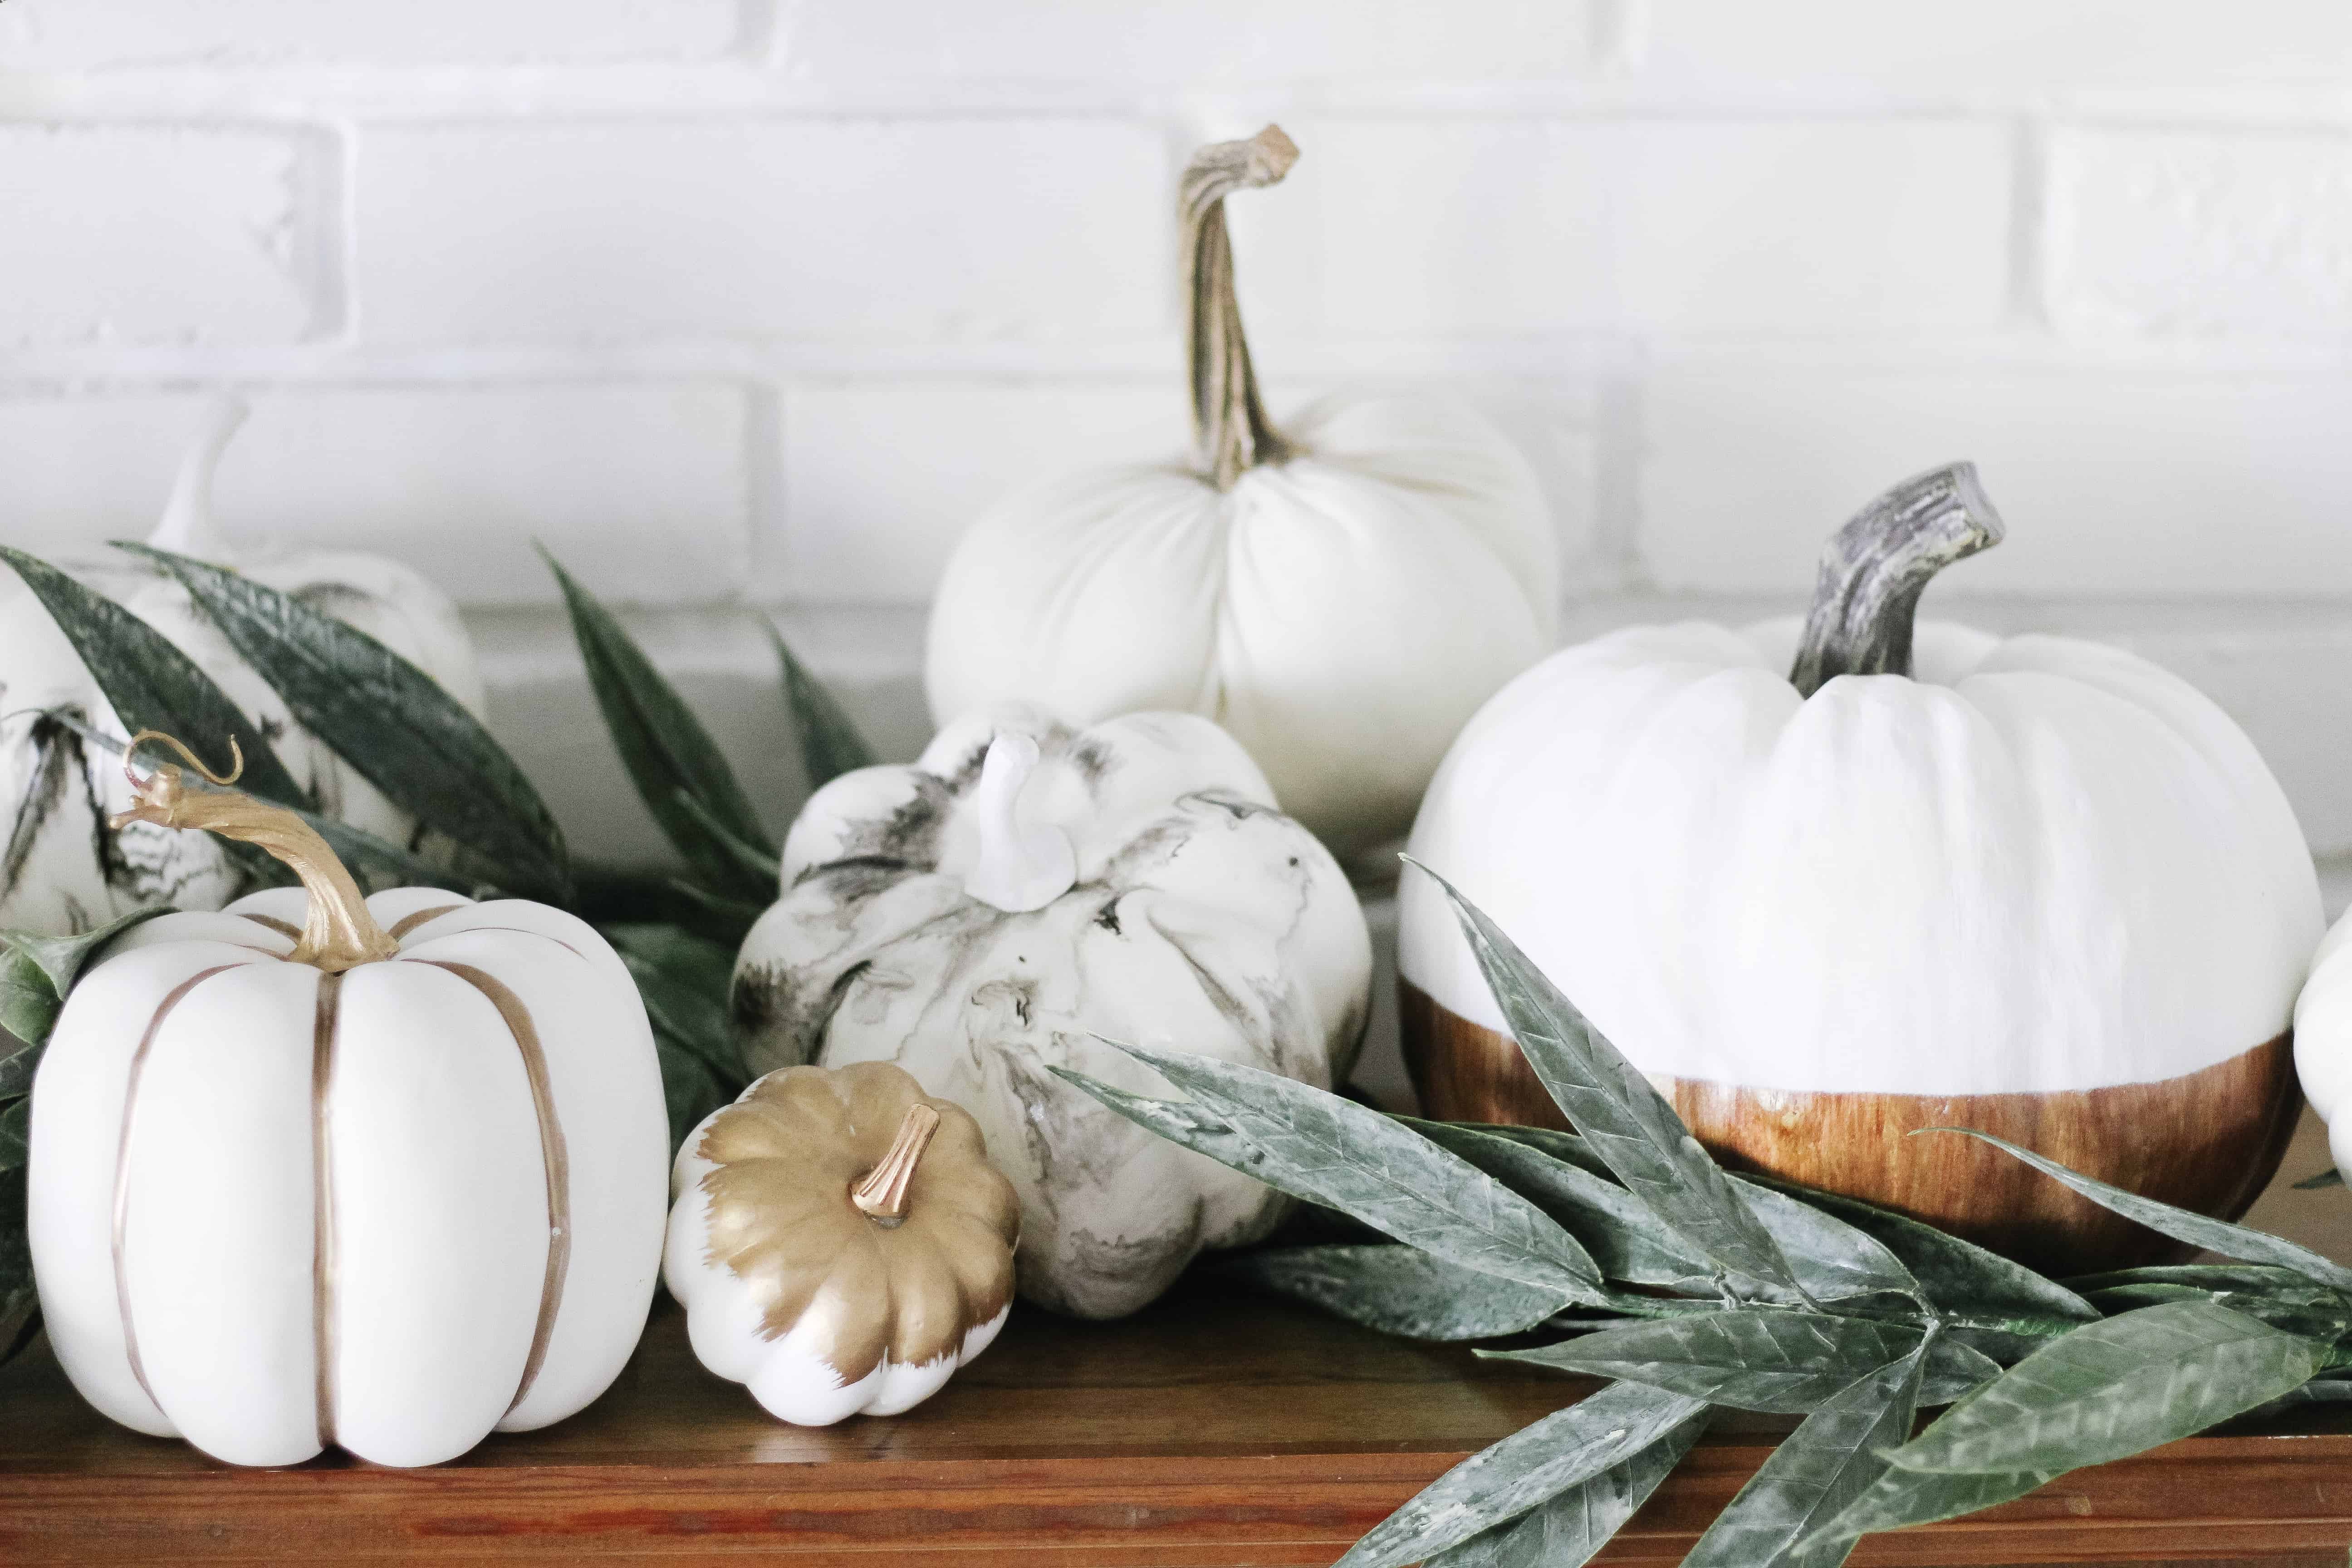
[2208,1140]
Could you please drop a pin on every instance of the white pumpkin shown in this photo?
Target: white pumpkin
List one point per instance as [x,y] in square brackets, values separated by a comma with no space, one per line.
[2033,885]
[840,1242]
[59,871]
[309,1171]
[1340,595]
[984,916]
[2323,1039]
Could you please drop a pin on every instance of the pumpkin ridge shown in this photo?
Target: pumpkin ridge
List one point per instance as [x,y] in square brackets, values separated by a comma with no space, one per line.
[326,1018]
[163,1009]
[554,1158]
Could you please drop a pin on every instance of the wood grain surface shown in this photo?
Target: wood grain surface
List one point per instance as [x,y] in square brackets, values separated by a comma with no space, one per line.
[2209,1141]
[1213,1429]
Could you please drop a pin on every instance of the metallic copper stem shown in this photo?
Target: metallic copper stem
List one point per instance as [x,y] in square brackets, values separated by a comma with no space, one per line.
[881,1192]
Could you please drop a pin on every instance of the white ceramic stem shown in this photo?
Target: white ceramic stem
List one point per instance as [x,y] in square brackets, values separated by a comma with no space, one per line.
[188,528]
[1017,869]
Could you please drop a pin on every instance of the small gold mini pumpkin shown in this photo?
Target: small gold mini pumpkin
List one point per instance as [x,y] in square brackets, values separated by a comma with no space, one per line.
[840,1242]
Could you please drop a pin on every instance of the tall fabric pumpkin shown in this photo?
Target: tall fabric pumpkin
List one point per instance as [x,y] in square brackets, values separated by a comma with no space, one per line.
[384,1174]
[2034,886]
[59,871]
[1339,594]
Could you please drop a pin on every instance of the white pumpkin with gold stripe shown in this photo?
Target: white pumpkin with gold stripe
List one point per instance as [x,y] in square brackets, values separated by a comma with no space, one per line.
[383,1174]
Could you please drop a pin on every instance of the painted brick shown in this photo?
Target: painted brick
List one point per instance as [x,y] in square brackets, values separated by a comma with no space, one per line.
[2118,482]
[2179,233]
[639,491]
[934,231]
[1501,230]
[71,35]
[880,480]
[156,234]
[83,471]
[1994,47]
[1212,41]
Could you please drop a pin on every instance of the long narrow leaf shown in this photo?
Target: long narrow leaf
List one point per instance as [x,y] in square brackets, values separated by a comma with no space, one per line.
[151,684]
[1399,1290]
[1570,1529]
[61,958]
[389,719]
[830,744]
[1833,1260]
[1760,1358]
[1621,1235]
[1317,1146]
[1814,1475]
[1624,1120]
[2113,1389]
[1898,1499]
[2197,1230]
[1966,1282]
[1532,1466]
[665,747]
[1180,1122]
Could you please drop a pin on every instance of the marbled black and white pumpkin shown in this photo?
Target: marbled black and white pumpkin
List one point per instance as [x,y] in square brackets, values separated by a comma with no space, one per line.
[982,916]
[60,870]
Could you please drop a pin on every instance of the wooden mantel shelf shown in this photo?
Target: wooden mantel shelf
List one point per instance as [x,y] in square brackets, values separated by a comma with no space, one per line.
[1213,1429]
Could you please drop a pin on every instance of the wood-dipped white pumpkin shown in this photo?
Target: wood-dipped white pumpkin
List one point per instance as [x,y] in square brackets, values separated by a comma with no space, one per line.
[2034,885]
[840,1242]
[984,916]
[60,871]
[1339,595]
[312,1171]
[2323,1039]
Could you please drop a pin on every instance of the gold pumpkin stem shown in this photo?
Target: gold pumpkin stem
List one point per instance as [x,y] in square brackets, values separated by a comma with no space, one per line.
[1228,421]
[881,1192]
[338,931]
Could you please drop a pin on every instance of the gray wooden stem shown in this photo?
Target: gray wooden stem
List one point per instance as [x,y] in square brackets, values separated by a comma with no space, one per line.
[1229,424]
[1875,568]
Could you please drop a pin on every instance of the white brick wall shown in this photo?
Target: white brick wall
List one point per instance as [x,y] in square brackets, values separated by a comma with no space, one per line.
[753,304]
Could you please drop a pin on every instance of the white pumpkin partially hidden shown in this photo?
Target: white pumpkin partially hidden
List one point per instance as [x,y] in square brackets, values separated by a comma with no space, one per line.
[1020,895]
[60,871]
[312,1171]
[1340,595]
[2031,885]
[2323,1038]
[840,1242]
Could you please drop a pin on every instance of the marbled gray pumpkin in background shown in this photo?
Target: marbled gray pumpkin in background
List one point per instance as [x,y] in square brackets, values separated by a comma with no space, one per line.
[1190,914]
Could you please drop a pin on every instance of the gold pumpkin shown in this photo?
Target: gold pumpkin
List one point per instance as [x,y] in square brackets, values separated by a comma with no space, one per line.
[840,1242]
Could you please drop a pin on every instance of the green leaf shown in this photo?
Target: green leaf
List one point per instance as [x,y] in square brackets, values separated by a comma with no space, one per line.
[830,744]
[1397,1290]
[16,1068]
[682,981]
[29,1002]
[1966,1282]
[2213,1235]
[668,753]
[1620,1234]
[1900,1499]
[389,719]
[1331,1150]
[1564,1146]
[750,859]
[1814,1475]
[2289,1301]
[1833,1260]
[2115,1388]
[61,958]
[2330,1177]
[1620,1115]
[690,1091]
[1570,1529]
[1180,1122]
[151,684]
[1530,1467]
[16,1133]
[1760,1358]
[18,1300]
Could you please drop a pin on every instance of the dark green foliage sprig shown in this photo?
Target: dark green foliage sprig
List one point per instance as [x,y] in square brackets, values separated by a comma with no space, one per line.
[1692,1290]
[483,828]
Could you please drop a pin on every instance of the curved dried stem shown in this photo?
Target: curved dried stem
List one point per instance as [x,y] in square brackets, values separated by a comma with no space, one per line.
[1229,422]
